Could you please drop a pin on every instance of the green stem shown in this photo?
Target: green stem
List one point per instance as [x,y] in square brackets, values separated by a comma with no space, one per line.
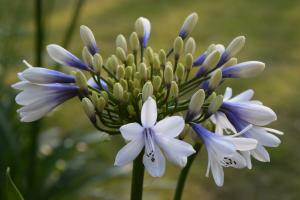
[165,100]
[137,183]
[175,67]
[111,74]
[187,76]
[170,52]
[184,173]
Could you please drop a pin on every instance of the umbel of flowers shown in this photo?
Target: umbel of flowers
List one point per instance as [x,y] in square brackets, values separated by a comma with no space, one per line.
[142,99]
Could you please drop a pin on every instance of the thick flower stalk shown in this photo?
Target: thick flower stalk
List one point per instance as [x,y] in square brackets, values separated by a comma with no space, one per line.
[142,95]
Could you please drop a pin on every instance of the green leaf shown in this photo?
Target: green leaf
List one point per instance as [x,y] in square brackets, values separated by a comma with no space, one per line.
[12,191]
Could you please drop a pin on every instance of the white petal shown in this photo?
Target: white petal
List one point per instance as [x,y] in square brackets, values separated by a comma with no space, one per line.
[223,123]
[213,118]
[21,77]
[37,113]
[131,131]
[169,127]
[273,131]
[129,152]
[260,153]
[222,147]
[149,113]
[238,160]
[155,167]
[246,155]
[220,47]
[216,170]
[243,144]
[88,40]
[177,161]
[27,97]
[227,94]
[252,102]
[174,146]
[244,96]
[264,138]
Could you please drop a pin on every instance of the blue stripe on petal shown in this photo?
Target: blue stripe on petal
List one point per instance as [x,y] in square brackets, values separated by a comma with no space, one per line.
[199,61]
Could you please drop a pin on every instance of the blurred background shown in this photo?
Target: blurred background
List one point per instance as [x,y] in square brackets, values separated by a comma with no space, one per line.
[61,157]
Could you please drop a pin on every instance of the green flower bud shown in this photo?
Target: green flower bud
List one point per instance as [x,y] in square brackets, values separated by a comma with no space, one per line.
[184,132]
[160,74]
[174,90]
[87,57]
[73,73]
[121,55]
[138,76]
[162,57]
[208,126]
[156,83]
[114,64]
[169,64]
[235,46]
[140,29]
[130,60]
[108,65]
[81,82]
[128,72]
[134,43]
[130,110]
[105,137]
[136,84]
[130,85]
[123,83]
[140,105]
[210,49]
[133,66]
[178,46]
[214,106]
[94,98]
[120,72]
[121,42]
[105,96]
[211,97]
[211,61]
[125,97]
[147,91]
[168,76]
[112,82]
[214,81]
[195,105]
[118,92]
[97,63]
[136,92]
[156,64]
[143,72]
[190,46]
[229,63]
[180,72]
[188,62]
[148,73]
[89,109]
[149,55]
[153,97]
[101,102]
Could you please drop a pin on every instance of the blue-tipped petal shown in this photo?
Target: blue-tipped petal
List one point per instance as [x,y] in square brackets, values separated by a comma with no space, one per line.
[64,57]
[89,40]
[243,70]
[147,26]
[199,61]
[188,25]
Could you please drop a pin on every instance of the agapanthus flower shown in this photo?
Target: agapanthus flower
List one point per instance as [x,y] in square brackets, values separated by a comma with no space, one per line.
[152,136]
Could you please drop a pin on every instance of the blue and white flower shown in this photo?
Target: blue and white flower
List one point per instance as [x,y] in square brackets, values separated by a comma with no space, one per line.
[89,40]
[222,151]
[147,26]
[64,57]
[152,136]
[243,70]
[188,25]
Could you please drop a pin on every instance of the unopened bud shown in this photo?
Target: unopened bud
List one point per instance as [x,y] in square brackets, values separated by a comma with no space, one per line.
[184,132]
[121,42]
[148,73]
[221,48]
[88,39]
[234,47]
[190,46]
[188,25]
[162,57]
[133,66]
[120,72]
[125,97]
[89,109]
[140,30]
[121,55]
[97,63]
[136,84]
[136,92]
[195,105]
[244,70]
[114,63]
[209,126]
[214,81]
[101,102]
[174,90]
[81,82]
[169,64]
[156,64]
[105,96]
[138,76]
[180,72]
[128,72]
[210,62]
[147,91]
[73,73]
[160,74]
[87,57]
[210,49]
[140,105]
[111,82]
[229,63]
[168,76]
[105,137]
[156,83]
[134,43]
[143,72]
[108,65]
[178,46]
[118,92]
[214,106]
[123,83]
[130,60]
[188,61]
[149,55]
[130,85]
[211,97]
[130,110]
[94,98]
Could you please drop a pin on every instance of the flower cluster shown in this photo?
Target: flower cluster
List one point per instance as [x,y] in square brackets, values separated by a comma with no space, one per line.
[143,91]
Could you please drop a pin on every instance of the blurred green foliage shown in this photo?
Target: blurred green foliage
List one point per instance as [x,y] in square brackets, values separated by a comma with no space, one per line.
[271,28]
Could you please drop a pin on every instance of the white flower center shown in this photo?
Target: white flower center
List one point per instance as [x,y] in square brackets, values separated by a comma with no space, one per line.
[149,144]
[225,161]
